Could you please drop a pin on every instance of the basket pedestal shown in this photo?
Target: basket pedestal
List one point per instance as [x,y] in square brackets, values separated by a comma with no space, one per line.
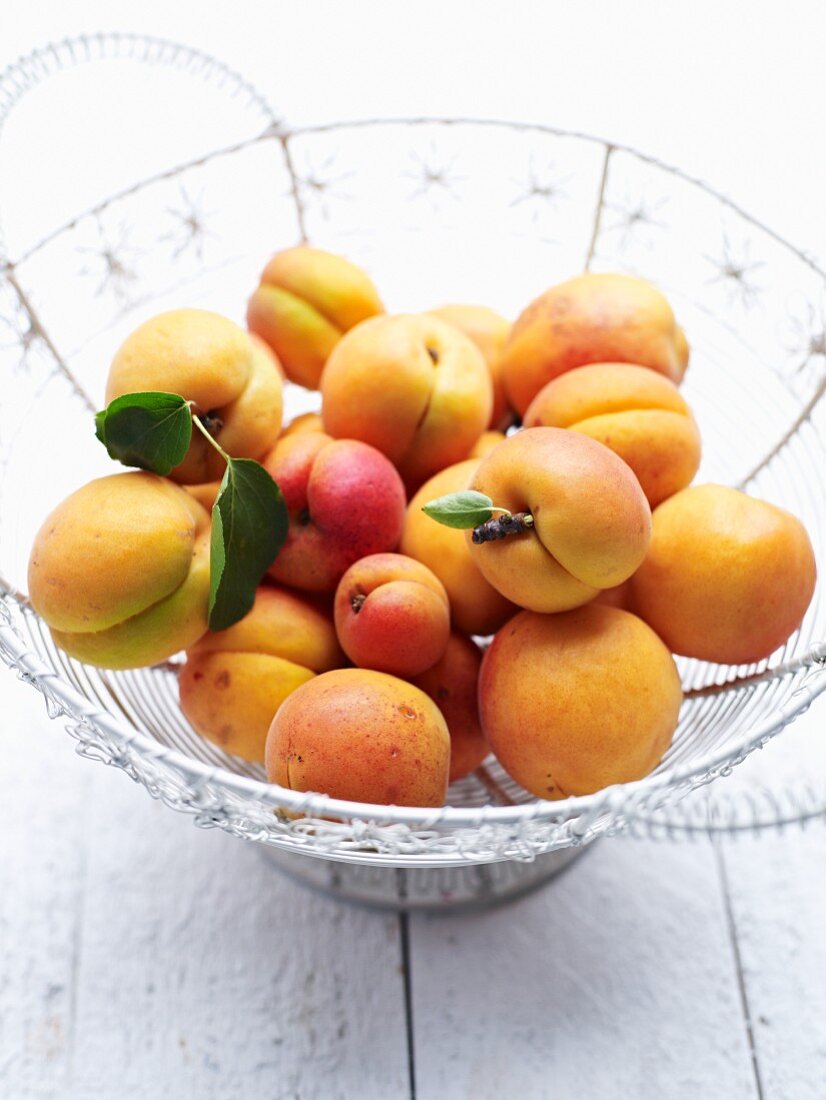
[423,889]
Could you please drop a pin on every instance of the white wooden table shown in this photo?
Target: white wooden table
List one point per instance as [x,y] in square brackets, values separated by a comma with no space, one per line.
[142,958]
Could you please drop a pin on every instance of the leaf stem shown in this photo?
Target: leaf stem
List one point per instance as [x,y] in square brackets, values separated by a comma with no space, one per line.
[196,420]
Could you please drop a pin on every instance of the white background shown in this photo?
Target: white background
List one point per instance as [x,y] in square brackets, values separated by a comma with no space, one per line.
[137,955]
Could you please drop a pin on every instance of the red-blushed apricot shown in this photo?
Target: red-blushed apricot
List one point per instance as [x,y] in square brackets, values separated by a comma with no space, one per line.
[591,319]
[392,614]
[591,521]
[489,331]
[475,605]
[452,683]
[231,377]
[362,736]
[306,301]
[639,414]
[412,386]
[575,702]
[235,680]
[727,578]
[120,571]
[345,500]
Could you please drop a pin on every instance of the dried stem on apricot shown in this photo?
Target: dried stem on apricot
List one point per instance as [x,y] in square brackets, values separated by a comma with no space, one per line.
[501,526]
[357,602]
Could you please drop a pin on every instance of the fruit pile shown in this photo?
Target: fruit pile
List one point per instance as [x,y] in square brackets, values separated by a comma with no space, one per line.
[329,606]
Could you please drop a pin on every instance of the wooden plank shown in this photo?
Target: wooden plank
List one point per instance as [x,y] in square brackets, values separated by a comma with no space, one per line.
[171,961]
[778,900]
[617,980]
[43,794]
[207,972]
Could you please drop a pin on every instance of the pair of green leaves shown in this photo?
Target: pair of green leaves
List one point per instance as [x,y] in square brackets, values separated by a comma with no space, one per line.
[153,431]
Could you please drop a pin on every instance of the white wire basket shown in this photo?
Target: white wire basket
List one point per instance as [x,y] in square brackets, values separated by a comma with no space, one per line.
[151,177]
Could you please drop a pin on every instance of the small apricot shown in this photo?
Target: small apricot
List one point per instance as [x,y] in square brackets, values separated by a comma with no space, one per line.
[727,578]
[639,414]
[591,319]
[362,736]
[392,615]
[578,701]
[591,523]
[306,301]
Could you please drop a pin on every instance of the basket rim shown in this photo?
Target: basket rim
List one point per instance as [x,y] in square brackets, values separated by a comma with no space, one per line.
[16,654]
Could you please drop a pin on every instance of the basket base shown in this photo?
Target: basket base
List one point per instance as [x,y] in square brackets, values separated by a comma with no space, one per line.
[422,889]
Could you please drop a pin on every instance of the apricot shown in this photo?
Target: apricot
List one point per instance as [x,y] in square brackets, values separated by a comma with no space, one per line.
[637,413]
[727,578]
[306,301]
[392,615]
[306,422]
[476,607]
[619,596]
[575,702]
[452,683]
[485,444]
[591,521]
[235,680]
[345,500]
[489,331]
[233,380]
[120,571]
[412,386]
[591,319]
[205,493]
[362,736]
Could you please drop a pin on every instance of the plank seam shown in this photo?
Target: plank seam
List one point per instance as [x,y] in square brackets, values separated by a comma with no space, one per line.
[404,941]
[731,927]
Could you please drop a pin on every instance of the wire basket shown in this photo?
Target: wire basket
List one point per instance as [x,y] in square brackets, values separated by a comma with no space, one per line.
[173,186]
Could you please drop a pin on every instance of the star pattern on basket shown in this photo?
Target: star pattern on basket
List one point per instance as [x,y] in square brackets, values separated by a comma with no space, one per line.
[190,229]
[805,334]
[634,216]
[318,183]
[543,189]
[112,262]
[735,269]
[433,176]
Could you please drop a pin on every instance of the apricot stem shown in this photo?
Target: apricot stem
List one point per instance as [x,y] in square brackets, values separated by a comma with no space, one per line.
[501,526]
[357,602]
[208,436]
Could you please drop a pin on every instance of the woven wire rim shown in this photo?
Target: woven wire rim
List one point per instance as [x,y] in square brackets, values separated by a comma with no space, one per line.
[653,791]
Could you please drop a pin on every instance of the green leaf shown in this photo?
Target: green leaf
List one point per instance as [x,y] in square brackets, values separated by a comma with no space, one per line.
[462,510]
[249,526]
[149,430]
